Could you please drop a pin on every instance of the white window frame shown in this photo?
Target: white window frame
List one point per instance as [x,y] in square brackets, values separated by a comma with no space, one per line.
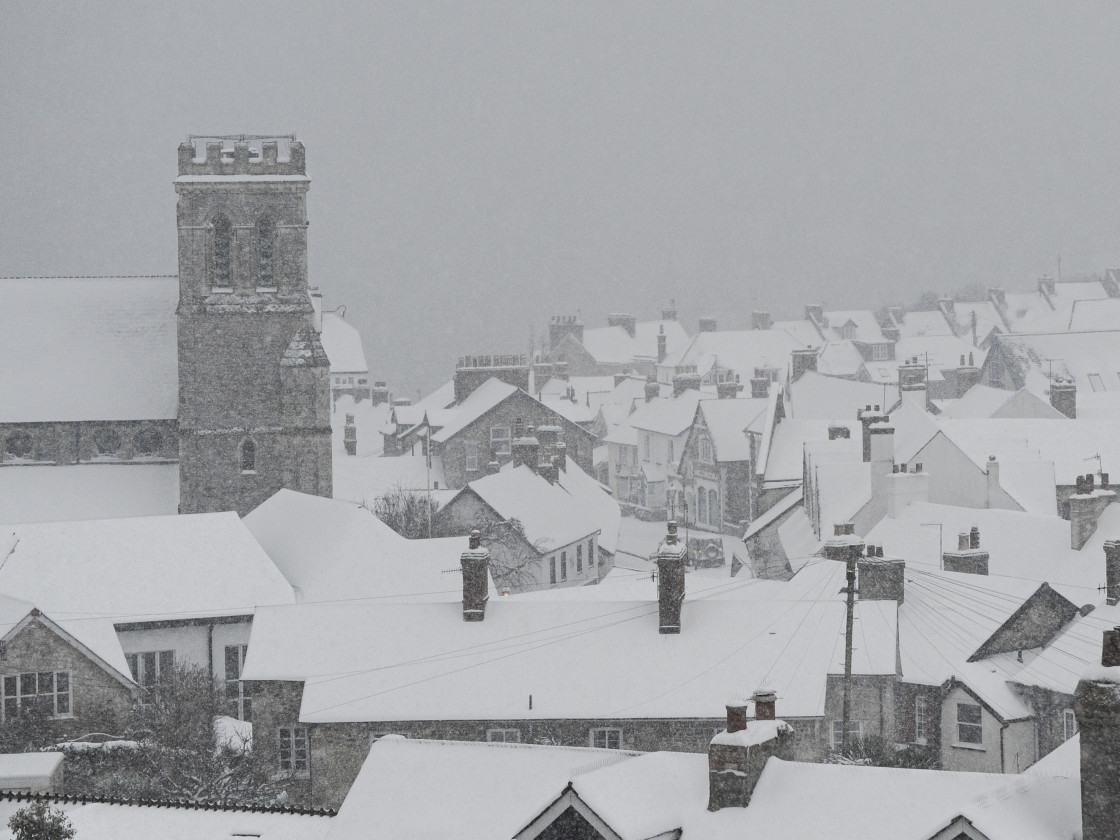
[971,728]
[1069,724]
[503,736]
[706,449]
[879,352]
[13,702]
[470,453]
[855,729]
[296,742]
[239,693]
[920,722]
[602,737]
[500,440]
[138,664]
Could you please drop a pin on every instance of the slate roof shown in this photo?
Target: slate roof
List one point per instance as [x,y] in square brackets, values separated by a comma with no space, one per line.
[343,345]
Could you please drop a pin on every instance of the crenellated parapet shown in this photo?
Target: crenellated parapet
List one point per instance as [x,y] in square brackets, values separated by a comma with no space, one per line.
[242,154]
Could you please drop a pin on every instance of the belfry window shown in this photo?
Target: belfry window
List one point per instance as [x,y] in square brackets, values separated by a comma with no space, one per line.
[223,236]
[248,456]
[266,236]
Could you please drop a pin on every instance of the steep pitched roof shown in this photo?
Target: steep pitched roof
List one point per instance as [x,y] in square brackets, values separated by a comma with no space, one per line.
[88,348]
[343,345]
[728,422]
[614,345]
[486,396]
[738,350]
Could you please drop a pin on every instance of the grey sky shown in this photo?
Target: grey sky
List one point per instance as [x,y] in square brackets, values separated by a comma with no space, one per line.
[477,168]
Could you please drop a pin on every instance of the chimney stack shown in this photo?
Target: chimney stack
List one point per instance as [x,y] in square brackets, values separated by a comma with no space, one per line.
[662,345]
[1063,396]
[843,544]
[837,432]
[1112,571]
[802,361]
[475,563]
[1096,705]
[761,321]
[760,387]
[881,578]
[627,322]
[653,390]
[1086,505]
[350,436]
[671,556]
[874,425]
[737,755]
[493,468]
[685,381]
[707,325]
[728,390]
[969,558]
[561,456]
[526,450]
[903,487]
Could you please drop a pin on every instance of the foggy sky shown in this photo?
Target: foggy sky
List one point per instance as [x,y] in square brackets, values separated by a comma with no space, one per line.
[477,168]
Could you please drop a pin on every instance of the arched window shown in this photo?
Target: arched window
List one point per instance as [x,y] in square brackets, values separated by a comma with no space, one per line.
[266,241]
[713,507]
[248,456]
[18,445]
[223,237]
[106,441]
[702,509]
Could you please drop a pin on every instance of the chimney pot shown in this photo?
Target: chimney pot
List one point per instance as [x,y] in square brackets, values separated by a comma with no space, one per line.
[475,564]
[974,537]
[765,702]
[736,717]
[962,541]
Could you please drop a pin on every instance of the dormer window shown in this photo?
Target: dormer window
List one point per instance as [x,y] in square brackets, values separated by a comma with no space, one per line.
[848,332]
[880,352]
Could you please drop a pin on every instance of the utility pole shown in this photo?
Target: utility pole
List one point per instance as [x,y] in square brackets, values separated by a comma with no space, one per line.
[851,605]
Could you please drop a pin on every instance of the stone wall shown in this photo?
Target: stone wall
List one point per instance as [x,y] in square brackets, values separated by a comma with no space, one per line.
[98,442]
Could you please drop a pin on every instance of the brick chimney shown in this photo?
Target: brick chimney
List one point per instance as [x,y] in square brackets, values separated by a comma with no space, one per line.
[838,432]
[969,558]
[350,436]
[843,544]
[737,755]
[627,322]
[1112,571]
[967,376]
[563,325]
[728,390]
[653,390]
[802,361]
[1096,705]
[760,387]
[561,456]
[1085,507]
[526,450]
[671,556]
[662,345]
[881,578]
[1063,396]
[684,381]
[761,321]
[708,325]
[475,563]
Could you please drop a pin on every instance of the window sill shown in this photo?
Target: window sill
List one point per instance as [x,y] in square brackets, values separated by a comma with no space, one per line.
[248,472]
[977,747]
[286,775]
[221,290]
[266,289]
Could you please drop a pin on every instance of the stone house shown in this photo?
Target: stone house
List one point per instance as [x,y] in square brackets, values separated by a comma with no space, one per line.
[635,679]
[625,346]
[480,429]
[717,464]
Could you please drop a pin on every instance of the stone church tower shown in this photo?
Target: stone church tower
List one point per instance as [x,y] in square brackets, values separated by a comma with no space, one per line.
[254,381]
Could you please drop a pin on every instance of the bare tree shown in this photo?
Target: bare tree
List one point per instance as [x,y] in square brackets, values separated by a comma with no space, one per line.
[408,512]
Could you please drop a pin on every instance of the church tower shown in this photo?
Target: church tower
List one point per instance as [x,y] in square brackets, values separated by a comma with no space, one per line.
[254,381]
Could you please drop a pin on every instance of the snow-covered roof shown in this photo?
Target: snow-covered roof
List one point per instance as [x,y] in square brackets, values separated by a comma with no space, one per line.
[579,659]
[614,345]
[123,821]
[1092,359]
[369,422]
[923,322]
[818,397]
[667,416]
[596,500]
[984,401]
[343,344]
[550,515]
[937,352]
[15,766]
[864,322]
[727,422]
[1069,444]
[786,456]
[483,398]
[839,358]
[145,568]
[88,348]
[987,319]
[1021,545]
[1094,315]
[362,479]
[740,351]
[87,491]
[469,790]
[1032,312]
[329,549]
[794,497]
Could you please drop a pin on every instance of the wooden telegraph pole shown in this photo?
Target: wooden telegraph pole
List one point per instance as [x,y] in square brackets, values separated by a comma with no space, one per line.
[851,604]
